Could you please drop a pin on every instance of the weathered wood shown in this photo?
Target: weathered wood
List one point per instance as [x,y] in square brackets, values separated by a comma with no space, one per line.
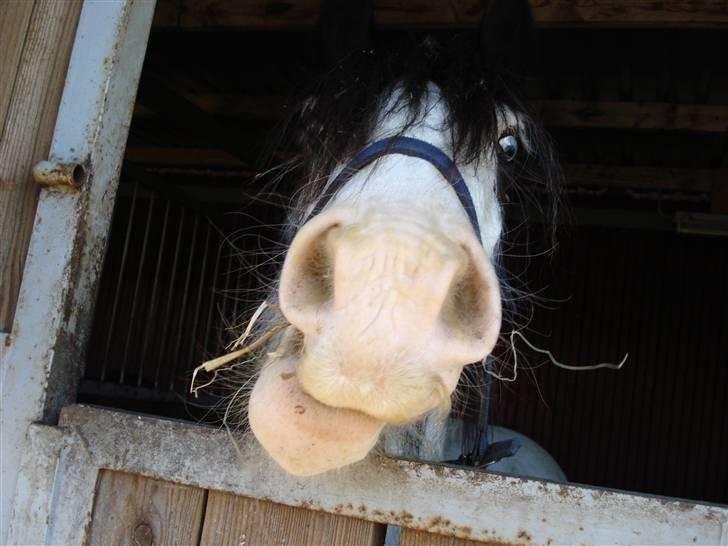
[631,13]
[441,499]
[14,21]
[134,510]
[420,538]
[633,115]
[28,129]
[43,357]
[254,14]
[235,520]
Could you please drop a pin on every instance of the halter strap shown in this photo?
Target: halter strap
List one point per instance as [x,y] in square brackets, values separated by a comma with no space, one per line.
[411,147]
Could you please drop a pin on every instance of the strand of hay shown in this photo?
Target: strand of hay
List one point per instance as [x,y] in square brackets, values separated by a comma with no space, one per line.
[215,364]
[552,359]
[239,342]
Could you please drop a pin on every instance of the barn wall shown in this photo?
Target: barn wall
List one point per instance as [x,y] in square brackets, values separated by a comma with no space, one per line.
[660,423]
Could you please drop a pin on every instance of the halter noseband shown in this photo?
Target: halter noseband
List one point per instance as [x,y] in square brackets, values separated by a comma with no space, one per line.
[411,147]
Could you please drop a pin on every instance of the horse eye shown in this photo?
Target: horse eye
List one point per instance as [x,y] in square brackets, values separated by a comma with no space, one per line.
[509,145]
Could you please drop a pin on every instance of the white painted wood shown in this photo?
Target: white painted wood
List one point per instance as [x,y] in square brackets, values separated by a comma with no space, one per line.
[34,490]
[446,500]
[43,354]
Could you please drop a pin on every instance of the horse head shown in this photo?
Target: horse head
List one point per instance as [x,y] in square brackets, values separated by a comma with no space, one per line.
[391,284]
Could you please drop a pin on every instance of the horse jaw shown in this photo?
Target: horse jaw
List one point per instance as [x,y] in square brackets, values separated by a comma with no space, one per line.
[302,435]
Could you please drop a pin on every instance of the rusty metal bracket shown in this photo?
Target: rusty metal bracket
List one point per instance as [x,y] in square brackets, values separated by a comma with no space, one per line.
[58,176]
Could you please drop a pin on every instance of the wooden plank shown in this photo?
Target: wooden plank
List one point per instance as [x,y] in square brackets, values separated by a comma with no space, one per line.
[650,178]
[14,21]
[254,14]
[27,133]
[411,537]
[633,115]
[708,118]
[235,520]
[631,13]
[131,509]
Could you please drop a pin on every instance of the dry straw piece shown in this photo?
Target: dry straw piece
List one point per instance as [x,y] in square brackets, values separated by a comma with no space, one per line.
[216,363]
[552,359]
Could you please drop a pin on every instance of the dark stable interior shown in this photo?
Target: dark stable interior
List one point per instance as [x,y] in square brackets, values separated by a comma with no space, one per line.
[636,115]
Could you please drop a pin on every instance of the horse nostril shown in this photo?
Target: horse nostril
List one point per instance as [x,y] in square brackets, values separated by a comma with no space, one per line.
[307,277]
[471,311]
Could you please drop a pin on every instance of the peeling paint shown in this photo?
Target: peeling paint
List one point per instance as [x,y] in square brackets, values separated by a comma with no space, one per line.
[42,363]
[435,499]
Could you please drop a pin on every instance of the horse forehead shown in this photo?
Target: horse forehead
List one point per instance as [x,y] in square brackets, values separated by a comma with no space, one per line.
[432,122]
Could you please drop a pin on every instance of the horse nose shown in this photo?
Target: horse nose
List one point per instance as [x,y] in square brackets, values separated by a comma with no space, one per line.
[393,285]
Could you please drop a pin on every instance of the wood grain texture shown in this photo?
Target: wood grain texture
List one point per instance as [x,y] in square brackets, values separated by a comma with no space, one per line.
[131,509]
[254,14]
[14,21]
[233,520]
[27,132]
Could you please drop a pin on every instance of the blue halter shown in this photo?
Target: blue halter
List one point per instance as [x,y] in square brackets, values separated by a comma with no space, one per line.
[477,450]
[411,147]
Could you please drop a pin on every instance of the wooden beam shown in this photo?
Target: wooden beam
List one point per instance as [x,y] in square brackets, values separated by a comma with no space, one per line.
[706,118]
[303,14]
[649,178]
[233,520]
[39,45]
[166,101]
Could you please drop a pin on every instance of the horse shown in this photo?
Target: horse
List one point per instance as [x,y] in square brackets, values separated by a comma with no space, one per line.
[408,158]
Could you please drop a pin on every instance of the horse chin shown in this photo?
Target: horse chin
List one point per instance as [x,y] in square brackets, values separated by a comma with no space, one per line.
[304,436]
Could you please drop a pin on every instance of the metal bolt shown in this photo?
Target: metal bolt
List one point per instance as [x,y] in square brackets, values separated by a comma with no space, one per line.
[59,176]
